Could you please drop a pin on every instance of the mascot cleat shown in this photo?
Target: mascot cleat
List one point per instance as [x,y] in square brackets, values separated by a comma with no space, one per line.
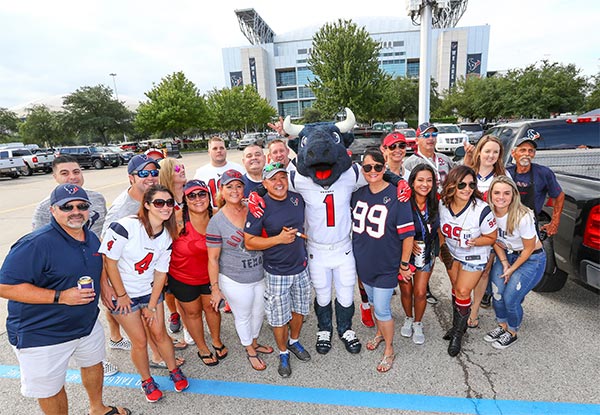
[323,342]
[351,341]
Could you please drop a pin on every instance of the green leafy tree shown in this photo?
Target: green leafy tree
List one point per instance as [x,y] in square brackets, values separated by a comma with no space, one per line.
[91,111]
[9,124]
[311,115]
[592,100]
[43,127]
[174,106]
[344,59]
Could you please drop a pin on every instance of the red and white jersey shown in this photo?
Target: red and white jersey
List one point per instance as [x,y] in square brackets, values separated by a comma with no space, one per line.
[211,175]
[471,222]
[138,255]
[328,216]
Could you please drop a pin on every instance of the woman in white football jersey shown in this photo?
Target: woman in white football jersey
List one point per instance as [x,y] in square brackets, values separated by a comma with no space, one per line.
[468,227]
[520,260]
[137,251]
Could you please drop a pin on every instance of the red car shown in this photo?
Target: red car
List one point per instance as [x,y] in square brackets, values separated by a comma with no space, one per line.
[411,139]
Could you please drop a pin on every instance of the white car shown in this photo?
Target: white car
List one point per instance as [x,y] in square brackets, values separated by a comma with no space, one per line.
[449,138]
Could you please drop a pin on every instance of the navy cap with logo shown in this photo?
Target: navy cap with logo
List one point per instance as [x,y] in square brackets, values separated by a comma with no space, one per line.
[193,185]
[65,193]
[531,136]
[423,127]
[229,176]
[139,162]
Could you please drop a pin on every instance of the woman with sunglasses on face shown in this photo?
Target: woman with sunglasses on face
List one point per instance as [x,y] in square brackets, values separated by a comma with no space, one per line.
[520,260]
[393,148]
[188,272]
[468,227]
[137,251]
[382,239]
[424,204]
[236,274]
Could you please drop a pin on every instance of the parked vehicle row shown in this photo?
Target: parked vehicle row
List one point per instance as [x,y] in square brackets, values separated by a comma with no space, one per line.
[20,160]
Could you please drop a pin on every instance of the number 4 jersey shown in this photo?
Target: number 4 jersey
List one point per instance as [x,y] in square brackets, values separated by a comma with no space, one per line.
[138,255]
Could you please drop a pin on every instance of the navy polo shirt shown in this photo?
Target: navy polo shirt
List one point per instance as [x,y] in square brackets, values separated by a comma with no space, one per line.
[282,259]
[51,258]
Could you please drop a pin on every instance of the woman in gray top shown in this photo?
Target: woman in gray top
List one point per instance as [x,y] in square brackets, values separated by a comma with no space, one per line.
[236,274]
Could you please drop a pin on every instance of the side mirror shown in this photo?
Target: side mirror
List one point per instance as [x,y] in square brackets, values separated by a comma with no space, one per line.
[459,152]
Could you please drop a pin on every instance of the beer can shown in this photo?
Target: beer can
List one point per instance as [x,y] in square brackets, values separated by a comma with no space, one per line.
[465,235]
[420,259]
[85,282]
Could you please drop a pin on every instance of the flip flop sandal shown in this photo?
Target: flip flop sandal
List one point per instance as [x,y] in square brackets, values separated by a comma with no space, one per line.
[257,357]
[210,356]
[179,345]
[473,323]
[374,342]
[115,411]
[219,350]
[263,349]
[386,363]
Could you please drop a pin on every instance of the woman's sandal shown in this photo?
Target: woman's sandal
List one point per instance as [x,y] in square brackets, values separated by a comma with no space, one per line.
[263,349]
[473,323]
[256,357]
[179,344]
[374,342]
[386,363]
[179,361]
[219,351]
[209,359]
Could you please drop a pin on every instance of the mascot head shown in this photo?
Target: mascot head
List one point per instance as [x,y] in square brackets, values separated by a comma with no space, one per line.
[321,148]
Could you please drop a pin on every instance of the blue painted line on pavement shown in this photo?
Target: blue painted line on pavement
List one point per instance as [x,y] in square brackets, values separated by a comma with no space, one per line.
[323,396]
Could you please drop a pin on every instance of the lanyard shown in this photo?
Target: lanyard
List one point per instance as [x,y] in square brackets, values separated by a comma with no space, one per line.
[436,166]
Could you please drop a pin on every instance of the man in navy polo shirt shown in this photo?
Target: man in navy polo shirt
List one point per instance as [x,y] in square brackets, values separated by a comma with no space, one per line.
[278,234]
[50,320]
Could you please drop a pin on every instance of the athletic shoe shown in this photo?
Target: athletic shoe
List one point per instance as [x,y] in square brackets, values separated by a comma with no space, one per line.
[187,337]
[431,299]
[299,351]
[486,301]
[179,380]
[227,309]
[284,369]
[494,335]
[109,368]
[406,329]
[174,323]
[150,389]
[123,344]
[351,342]
[505,340]
[323,342]
[366,316]
[418,337]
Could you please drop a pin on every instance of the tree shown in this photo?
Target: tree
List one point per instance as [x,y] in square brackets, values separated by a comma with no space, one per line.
[9,123]
[91,110]
[311,115]
[592,101]
[43,127]
[174,106]
[344,60]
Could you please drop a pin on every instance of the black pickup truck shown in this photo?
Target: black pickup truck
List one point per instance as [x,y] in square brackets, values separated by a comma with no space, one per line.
[571,148]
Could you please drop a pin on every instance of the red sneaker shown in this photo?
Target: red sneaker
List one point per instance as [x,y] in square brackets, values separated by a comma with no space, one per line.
[150,388]
[226,309]
[366,316]
[179,380]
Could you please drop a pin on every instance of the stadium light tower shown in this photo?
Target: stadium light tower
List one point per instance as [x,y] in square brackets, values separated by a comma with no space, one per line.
[428,14]
[114,75]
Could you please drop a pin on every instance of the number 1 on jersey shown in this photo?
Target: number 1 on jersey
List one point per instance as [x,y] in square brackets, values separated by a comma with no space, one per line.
[329,207]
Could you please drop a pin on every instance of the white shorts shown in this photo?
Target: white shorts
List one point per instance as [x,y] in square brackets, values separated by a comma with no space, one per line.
[44,368]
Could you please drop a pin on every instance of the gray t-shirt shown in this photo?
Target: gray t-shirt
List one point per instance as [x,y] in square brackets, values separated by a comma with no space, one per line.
[123,205]
[42,215]
[235,261]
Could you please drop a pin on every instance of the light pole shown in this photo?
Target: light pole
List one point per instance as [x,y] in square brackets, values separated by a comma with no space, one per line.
[114,75]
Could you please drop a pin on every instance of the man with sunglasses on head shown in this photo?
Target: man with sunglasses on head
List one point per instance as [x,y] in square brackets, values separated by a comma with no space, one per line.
[52,315]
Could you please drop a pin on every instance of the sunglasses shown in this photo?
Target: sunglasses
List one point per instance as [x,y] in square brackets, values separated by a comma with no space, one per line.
[160,203]
[145,173]
[81,207]
[394,146]
[462,185]
[193,195]
[272,166]
[427,135]
[368,167]
[178,168]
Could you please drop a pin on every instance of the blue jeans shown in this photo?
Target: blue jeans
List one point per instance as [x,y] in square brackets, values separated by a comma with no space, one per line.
[381,298]
[508,297]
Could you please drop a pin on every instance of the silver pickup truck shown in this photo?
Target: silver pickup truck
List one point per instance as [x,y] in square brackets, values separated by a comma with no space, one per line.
[9,165]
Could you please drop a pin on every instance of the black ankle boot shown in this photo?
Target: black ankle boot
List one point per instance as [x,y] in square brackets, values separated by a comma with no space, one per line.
[458,330]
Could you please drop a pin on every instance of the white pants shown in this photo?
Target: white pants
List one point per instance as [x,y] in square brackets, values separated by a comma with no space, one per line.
[331,266]
[247,306]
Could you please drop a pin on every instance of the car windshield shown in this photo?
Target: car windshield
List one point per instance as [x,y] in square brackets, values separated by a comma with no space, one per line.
[471,127]
[446,129]
[409,133]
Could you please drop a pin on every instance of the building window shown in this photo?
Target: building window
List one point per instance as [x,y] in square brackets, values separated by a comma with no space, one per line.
[412,68]
[305,92]
[398,43]
[305,75]
[288,108]
[301,51]
[287,94]
[285,77]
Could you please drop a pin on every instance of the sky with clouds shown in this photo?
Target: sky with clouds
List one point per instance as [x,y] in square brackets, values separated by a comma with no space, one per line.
[54,47]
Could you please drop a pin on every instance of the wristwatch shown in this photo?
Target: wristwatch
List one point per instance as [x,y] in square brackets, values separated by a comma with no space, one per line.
[153,309]
[404,263]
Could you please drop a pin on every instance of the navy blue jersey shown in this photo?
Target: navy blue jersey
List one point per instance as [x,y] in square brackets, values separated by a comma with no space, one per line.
[249,185]
[424,231]
[379,224]
[283,259]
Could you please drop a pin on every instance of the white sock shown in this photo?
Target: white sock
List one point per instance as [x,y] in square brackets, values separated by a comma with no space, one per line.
[292,341]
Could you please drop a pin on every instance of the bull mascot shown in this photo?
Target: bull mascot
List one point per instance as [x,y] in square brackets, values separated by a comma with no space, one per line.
[326,178]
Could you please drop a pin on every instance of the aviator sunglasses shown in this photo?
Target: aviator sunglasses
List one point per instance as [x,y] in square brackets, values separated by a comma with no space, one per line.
[80,206]
[145,173]
[462,185]
[193,195]
[427,135]
[272,166]
[368,167]
[394,146]
[160,203]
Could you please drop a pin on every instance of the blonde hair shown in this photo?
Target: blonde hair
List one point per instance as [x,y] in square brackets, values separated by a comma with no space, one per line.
[165,173]
[516,210]
[498,166]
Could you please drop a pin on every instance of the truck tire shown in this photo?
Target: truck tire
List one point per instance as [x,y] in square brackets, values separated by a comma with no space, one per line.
[98,164]
[116,163]
[27,171]
[15,175]
[554,278]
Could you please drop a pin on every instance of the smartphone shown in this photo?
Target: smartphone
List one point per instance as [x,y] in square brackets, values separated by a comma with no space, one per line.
[221,304]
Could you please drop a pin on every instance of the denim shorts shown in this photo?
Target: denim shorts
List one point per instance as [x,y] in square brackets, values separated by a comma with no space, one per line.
[469,267]
[428,267]
[137,303]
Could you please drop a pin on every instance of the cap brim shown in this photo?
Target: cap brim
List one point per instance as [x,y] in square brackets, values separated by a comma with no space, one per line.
[70,199]
[273,173]
[194,188]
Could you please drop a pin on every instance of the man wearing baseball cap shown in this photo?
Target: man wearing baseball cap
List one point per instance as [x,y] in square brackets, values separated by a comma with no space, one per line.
[278,233]
[50,320]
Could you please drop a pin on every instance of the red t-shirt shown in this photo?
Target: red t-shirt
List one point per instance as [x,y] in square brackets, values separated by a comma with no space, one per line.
[189,258]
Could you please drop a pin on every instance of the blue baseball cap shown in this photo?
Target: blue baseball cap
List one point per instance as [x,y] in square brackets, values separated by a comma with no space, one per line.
[423,127]
[139,162]
[64,193]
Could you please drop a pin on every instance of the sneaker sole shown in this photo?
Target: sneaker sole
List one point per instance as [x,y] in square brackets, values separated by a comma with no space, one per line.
[419,341]
[181,390]
[498,346]
[406,335]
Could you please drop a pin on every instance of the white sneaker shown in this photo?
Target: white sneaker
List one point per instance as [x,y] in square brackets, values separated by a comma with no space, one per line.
[187,337]
[109,368]
[123,344]
[407,329]
[418,337]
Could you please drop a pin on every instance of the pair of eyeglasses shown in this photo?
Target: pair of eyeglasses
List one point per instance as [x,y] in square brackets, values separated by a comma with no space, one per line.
[427,135]
[145,173]
[193,195]
[462,185]
[160,203]
[368,167]
[80,206]
[394,146]
[272,166]
[178,168]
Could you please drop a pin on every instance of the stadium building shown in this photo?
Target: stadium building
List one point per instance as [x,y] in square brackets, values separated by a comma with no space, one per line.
[277,64]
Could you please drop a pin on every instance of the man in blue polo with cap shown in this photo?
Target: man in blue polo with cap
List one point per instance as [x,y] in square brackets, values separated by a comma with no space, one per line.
[50,320]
